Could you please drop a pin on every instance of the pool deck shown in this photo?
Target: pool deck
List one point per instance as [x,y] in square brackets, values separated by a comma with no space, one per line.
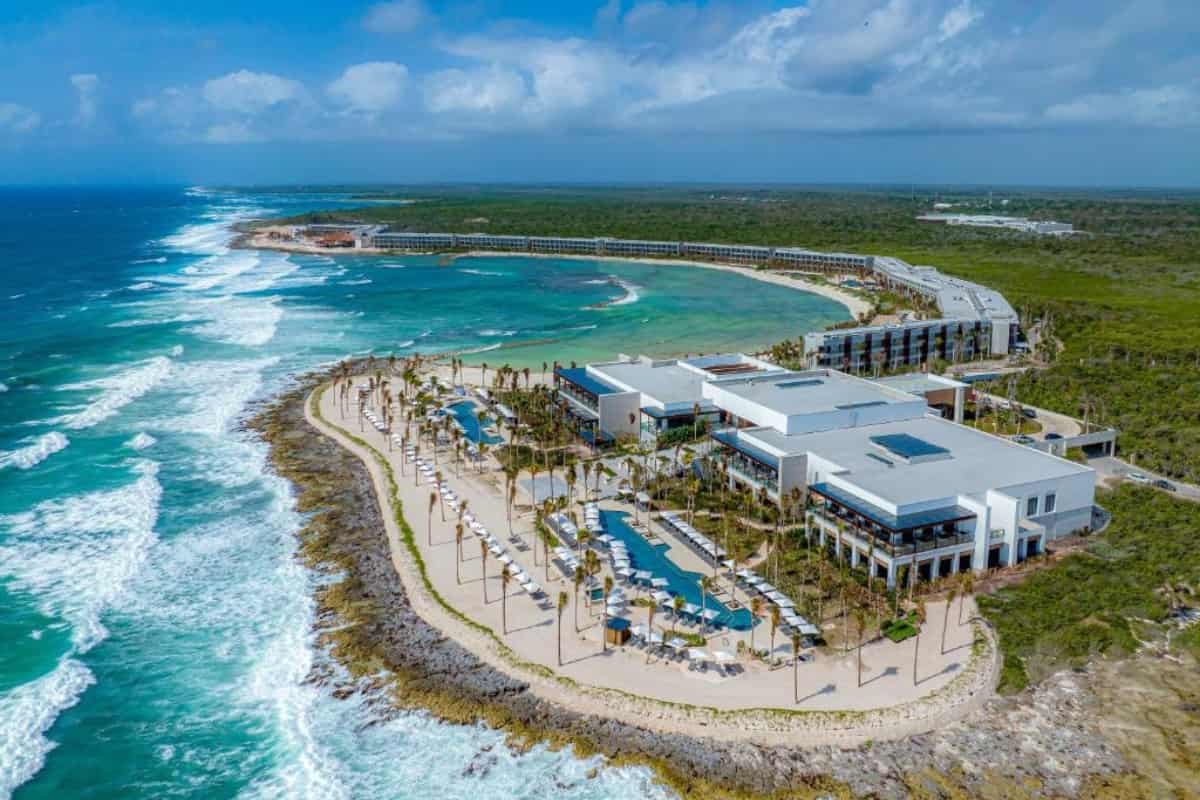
[827,683]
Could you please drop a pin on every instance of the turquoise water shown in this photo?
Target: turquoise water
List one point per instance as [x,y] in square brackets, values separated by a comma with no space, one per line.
[464,412]
[156,624]
[644,555]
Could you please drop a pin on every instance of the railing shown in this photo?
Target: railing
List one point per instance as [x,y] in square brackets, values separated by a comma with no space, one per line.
[885,545]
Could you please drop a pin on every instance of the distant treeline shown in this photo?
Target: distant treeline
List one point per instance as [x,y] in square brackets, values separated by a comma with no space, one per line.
[1124,299]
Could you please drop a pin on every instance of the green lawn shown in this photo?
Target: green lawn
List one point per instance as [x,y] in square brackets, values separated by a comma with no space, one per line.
[1089,603]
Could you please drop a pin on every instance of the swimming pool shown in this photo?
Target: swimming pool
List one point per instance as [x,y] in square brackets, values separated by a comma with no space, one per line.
[464,412]
[679,581]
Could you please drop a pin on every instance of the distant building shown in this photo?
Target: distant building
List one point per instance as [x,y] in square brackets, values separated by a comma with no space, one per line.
[1021,224]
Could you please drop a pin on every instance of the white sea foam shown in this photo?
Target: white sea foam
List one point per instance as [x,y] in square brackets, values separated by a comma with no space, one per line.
[406,343]
[631,294]
[355,282]
[76,555]
[35,453]
[143,286]
[176,351]
[249,322]
[3,388]
[141,441]
[117,391]
[496,332]
[484,349]
[208,395]
[482,272]
[159,260]
[27,712]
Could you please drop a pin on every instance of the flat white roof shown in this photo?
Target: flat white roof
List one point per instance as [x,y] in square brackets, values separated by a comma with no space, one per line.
[672,381]
[920,382]
[811,392]
[974,462]
[666,382]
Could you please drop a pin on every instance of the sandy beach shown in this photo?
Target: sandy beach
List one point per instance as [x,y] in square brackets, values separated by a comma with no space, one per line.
[856,305]
[618,683]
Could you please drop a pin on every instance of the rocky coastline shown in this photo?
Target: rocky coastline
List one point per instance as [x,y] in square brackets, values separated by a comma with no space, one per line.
[1043,743]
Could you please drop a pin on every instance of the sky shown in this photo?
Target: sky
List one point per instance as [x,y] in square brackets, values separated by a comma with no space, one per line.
[1028,92]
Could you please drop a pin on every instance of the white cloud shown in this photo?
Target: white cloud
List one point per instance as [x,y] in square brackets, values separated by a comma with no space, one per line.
[249,92]
[371,87]
[400,16]
[17,118]
[231,133]
[488,90]
[1162,106]
[86,86]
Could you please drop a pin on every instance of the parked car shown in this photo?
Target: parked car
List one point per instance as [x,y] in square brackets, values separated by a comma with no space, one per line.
[1023,439]
[1050,437]
[1137,477]
[1029,413]
[1165,485]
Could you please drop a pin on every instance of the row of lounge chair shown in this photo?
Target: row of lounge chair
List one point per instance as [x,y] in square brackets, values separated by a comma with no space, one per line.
[710,549]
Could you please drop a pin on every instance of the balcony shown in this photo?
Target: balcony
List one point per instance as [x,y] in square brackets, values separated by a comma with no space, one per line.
[886,541]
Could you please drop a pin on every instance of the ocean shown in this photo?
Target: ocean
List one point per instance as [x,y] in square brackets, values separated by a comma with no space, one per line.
[156,624]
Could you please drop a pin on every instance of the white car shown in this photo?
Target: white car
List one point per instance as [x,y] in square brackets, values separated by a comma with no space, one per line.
[1137,477]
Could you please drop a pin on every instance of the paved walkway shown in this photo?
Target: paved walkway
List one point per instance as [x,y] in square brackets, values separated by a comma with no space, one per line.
[829,683]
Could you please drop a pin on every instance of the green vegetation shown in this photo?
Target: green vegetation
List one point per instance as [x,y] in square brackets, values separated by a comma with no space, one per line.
[1094,602]
[1122,300]
[900,629]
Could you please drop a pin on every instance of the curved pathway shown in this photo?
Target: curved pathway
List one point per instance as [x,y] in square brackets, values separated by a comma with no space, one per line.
[787,726]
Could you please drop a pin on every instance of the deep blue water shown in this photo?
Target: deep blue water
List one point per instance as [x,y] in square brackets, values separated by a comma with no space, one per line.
[156,624]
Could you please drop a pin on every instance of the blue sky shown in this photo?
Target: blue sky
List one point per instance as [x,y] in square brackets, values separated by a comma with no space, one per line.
[928,91]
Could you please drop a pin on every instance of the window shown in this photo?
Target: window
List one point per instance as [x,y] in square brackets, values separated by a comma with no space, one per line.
[1031,506]
[1048,505]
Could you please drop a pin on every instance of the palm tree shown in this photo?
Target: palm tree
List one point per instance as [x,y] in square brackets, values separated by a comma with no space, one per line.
[967,585]
[860,625]
[433,498]
[458,540]
[756,610]
[608,585]
[950,595]
[707,585]
[677,603]
[577,579]
[505,579]
[650,606]
[438,477]
[560,607]
[917,638]
[483,555]
[775,619]
[796,666]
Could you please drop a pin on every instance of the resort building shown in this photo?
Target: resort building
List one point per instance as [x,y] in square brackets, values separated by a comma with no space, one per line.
[562,244]
[888,481]
[389,240]
[1021,224]
[976,322]
[638,247]
[891,483]
[812,261]
[644,398]
[487,241]
[891,347]
[732,253]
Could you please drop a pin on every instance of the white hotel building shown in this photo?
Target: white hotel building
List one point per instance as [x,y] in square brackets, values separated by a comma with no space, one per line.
[889,482]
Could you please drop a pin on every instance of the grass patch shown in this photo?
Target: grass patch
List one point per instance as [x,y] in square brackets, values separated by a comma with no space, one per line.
[1084,605]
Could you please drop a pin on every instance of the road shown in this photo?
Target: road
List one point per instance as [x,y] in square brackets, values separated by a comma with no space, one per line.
[1114,469]
[1051,421]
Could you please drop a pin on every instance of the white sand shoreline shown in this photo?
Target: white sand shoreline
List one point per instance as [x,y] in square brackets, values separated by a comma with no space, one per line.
[855,305]
[594,688]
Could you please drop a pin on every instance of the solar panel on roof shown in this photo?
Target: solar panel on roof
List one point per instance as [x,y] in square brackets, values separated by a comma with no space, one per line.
[794,384]
[907,446]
